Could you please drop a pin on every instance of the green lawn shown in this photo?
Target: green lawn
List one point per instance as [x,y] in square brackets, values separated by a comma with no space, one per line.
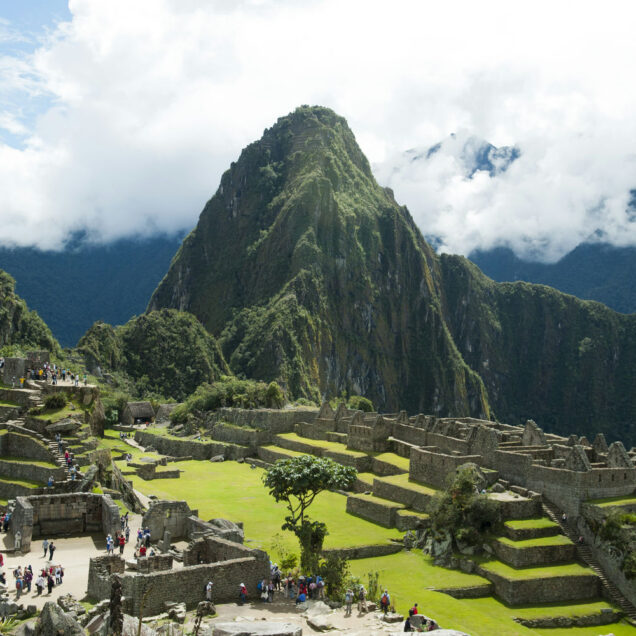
[10,404]
[25,460]
[629,500]
[235,491]
[322,443]
[569,569]
[409,577]
[21,482]
[525,524]
[395,460]
[557,539]
[59,414]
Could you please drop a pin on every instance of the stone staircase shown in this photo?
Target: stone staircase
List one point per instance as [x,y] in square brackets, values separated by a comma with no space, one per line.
[585,556]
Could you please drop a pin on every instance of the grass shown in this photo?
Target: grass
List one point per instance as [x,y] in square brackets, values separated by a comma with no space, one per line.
[367,479]
[10,404]
[59,414]
[614,501]
[322,443]
[557,539]
[409,577]
[508,572]
[395,460]
[378,500]
[235,491]
[25,460]
[21,482]
[526,524]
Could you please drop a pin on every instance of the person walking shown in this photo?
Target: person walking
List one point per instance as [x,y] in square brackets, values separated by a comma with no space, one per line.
[208,591]
[385,601]
[45,545]
[39,585]
[51,550]
[348,602]
[122,543]
[49,583]
[362,600]
[242,594]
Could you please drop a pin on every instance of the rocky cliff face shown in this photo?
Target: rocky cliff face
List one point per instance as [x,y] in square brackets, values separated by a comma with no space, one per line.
[567,363]
[310,273]
[18,325]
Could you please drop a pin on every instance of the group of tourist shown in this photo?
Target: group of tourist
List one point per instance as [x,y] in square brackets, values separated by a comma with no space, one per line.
[50,373]
[48,578]
[5,522]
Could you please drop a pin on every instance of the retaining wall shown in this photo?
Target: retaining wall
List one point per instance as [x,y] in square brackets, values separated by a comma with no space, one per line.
[535,555]
[195,449]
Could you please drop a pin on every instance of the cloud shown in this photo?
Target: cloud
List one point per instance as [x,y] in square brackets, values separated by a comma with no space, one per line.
[143,105]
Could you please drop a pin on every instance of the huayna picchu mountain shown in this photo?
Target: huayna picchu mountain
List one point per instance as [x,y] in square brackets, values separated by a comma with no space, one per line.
[307,271]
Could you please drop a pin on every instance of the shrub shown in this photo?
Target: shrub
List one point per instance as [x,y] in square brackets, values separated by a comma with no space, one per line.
[274,397]
[360,403]
[55,401]
[335,572]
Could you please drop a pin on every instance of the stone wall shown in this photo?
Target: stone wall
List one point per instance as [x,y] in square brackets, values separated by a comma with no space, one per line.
[187,584]
[433,468]
[373,510]
[272,420]
[46,516]
[210,549]
[157,563]
[192,448]
[556,589]
[119,482]
[409,497]
[168,515]
[31,472]
[14,368]
[410,434]
[100,570]
[242,435]
[535,555]
[365,551]
[22,445]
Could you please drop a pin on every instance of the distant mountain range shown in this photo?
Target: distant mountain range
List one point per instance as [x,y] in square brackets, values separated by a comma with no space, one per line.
[72,289]
[592,271]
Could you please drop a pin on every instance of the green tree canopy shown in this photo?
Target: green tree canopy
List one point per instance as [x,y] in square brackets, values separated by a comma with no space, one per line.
[297,481]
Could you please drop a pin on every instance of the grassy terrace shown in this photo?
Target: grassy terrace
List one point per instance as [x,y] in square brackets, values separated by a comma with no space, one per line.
[25,460]
[9,404]
[164,431]
[614,501]
[59,414]
[525,524]
[410,577]
[557,539]
[395,460]
[21,482]
[235,491]
[508,572]
[322,443]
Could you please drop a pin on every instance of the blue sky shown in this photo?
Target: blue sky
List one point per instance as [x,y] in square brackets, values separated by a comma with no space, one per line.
[118,117]
[23,26]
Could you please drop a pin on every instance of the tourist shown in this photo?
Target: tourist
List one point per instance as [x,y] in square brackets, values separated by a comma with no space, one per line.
[270,592]
[413,610]
[127,533]
[262,588]
[301,598]
[50,482]
[6,521]
[208,591]
[385,601]
[39,584]
[348,602]
[58,575]
[51,550]
[242,594]
[122,544]
[73,472]
[27,578]
[49,583]
[45,545]
[407,624]
[362,600]
[18,587]
[142,550]
[290,587]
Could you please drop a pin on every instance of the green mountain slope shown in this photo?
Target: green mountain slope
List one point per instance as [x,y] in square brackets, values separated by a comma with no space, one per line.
[567,363]
[166,352]
[19,326]
[310,273]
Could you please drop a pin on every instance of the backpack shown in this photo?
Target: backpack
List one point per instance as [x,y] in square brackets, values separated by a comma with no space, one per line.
[411,612]
[361,594]
[384,600]
[259,586]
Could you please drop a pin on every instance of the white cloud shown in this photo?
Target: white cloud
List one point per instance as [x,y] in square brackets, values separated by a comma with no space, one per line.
[148,101]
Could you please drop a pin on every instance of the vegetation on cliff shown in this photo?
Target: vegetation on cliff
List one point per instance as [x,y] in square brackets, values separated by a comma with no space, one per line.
[164,352]
[21,329]
[327,285]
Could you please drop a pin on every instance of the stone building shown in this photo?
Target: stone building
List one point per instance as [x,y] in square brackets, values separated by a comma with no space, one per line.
[137,413]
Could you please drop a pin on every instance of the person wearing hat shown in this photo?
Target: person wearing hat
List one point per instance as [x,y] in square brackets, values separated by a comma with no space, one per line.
[242,593]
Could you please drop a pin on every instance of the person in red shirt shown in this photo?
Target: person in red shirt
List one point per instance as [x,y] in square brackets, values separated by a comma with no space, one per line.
[122,543]
[142,551]
[413,610]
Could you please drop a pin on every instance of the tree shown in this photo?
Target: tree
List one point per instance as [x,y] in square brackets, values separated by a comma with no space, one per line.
[297,482]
